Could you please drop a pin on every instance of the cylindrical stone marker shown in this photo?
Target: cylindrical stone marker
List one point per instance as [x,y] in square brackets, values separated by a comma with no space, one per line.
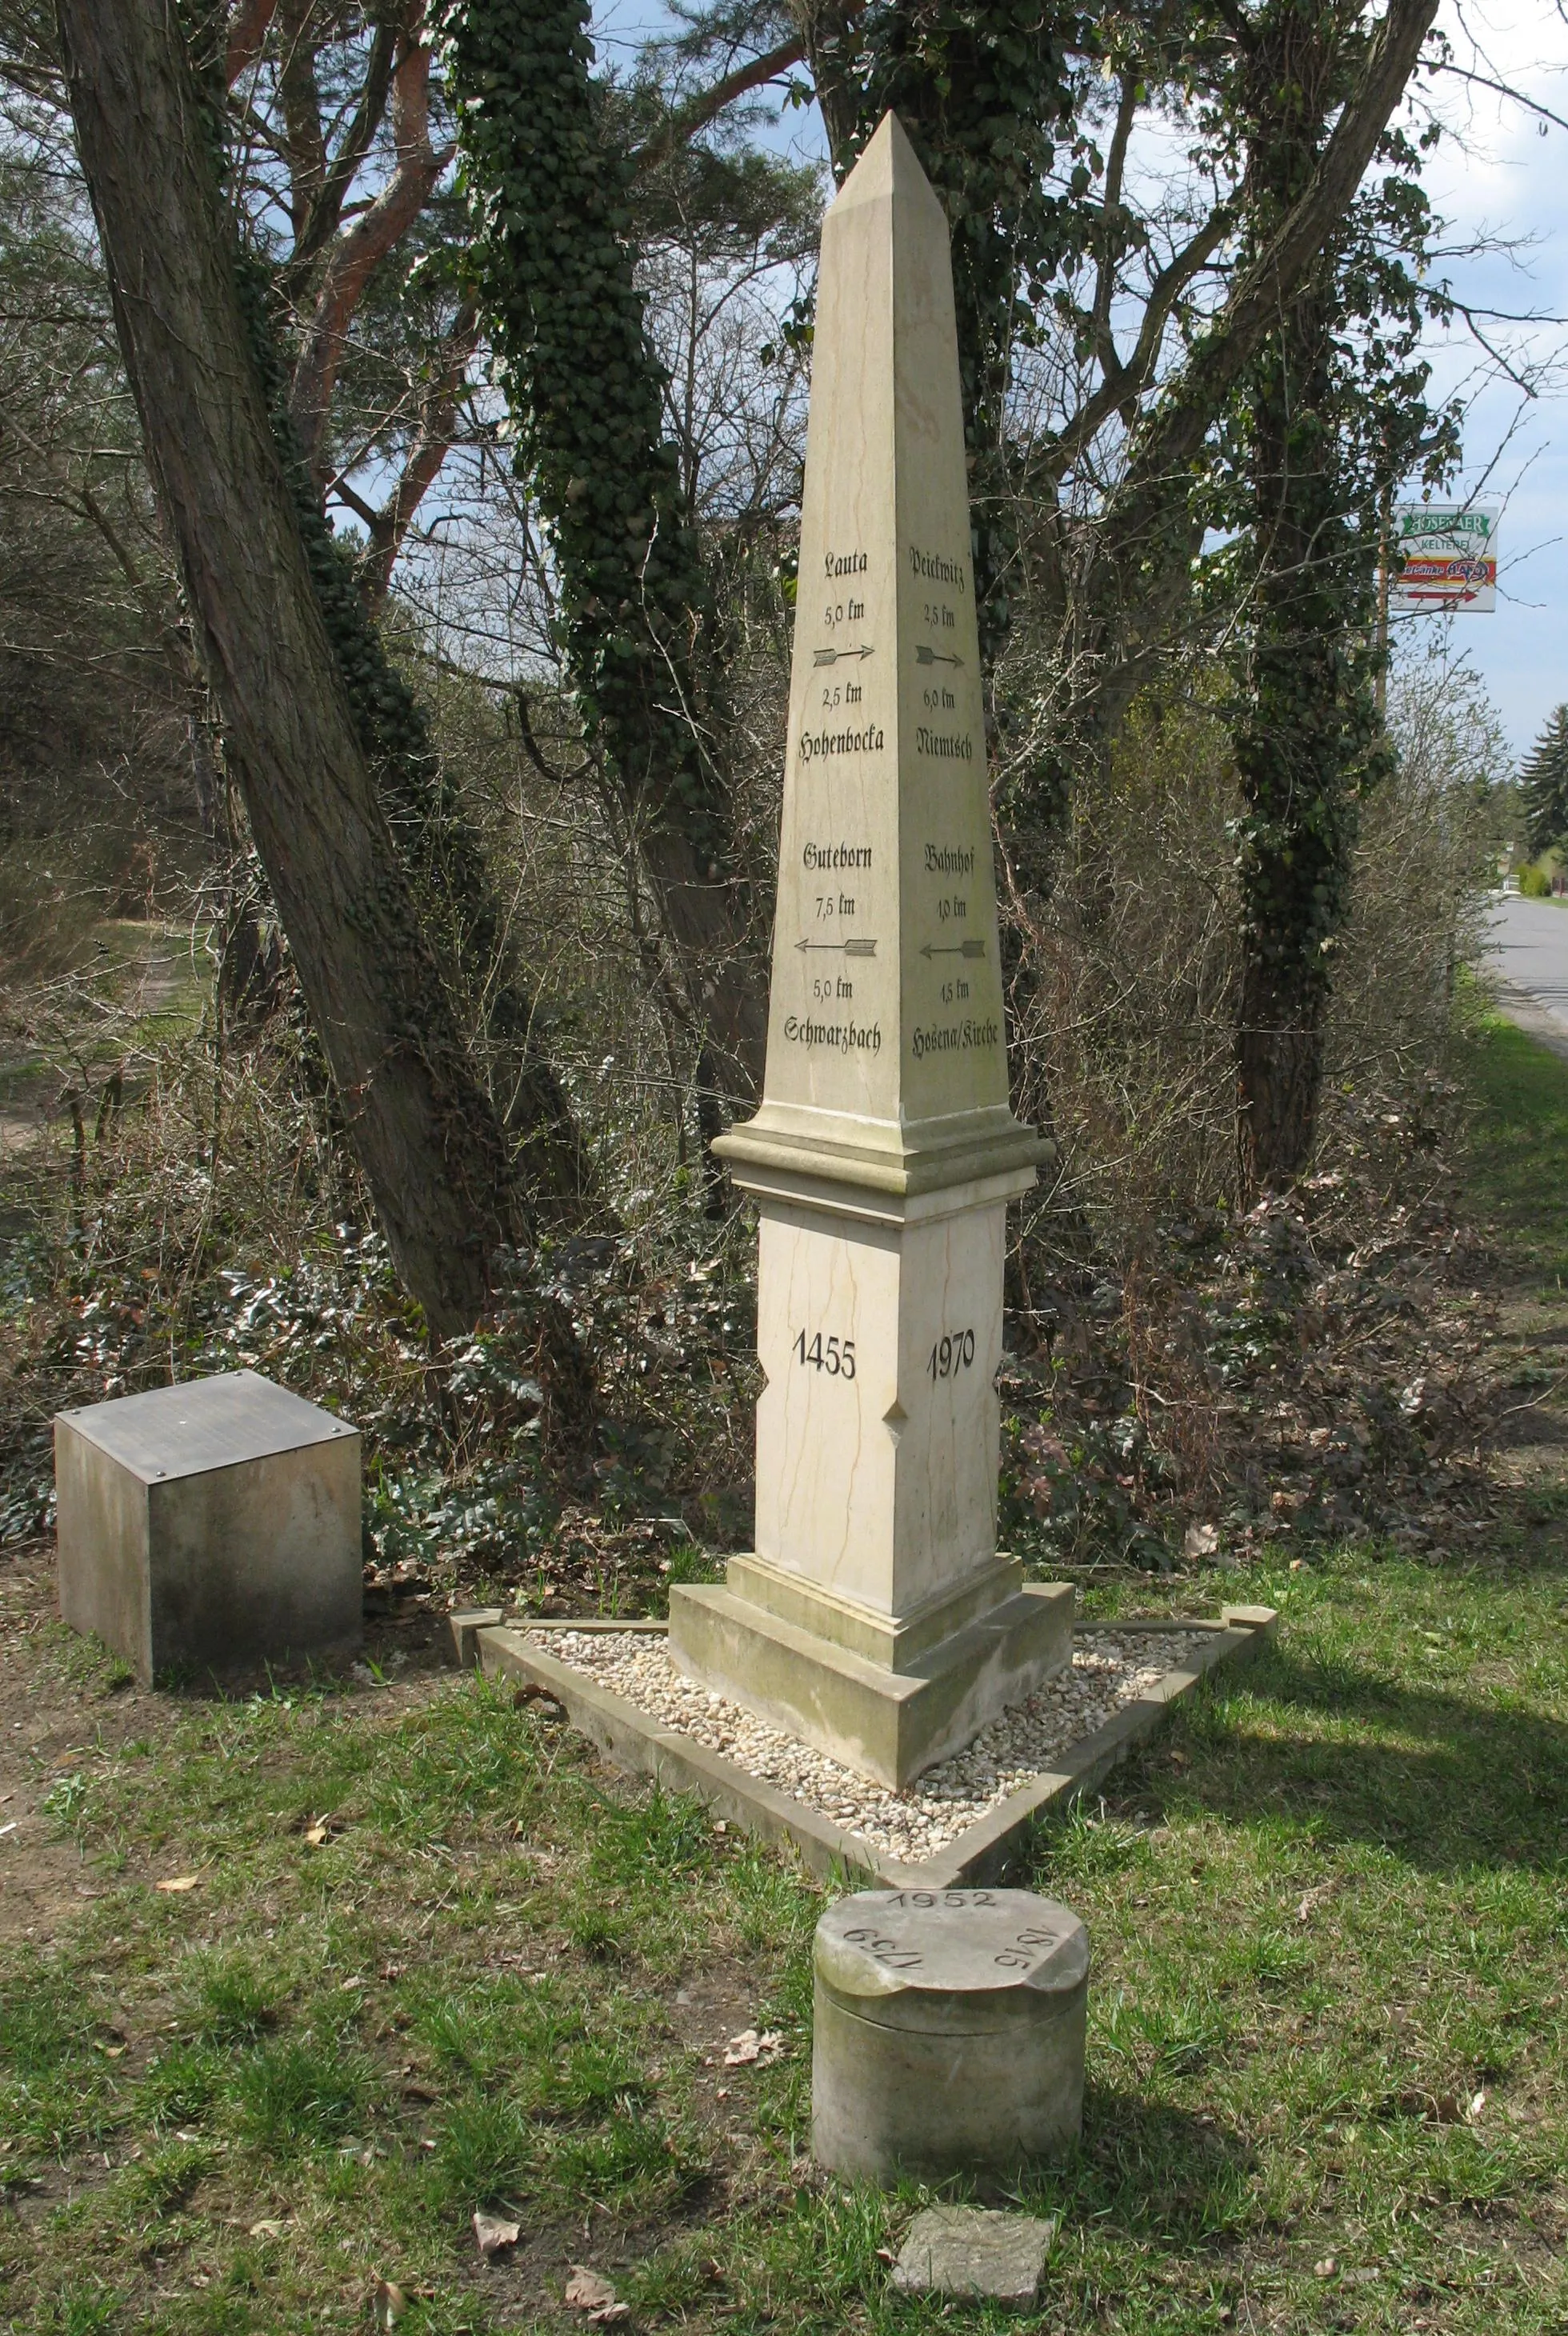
[950,2029]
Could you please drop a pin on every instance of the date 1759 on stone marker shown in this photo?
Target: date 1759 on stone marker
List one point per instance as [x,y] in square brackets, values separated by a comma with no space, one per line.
[837,1357]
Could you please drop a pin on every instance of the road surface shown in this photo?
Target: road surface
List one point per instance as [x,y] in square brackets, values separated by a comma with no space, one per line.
[1529,953]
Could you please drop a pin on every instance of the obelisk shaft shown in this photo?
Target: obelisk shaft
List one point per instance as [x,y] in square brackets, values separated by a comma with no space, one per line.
[886,1043]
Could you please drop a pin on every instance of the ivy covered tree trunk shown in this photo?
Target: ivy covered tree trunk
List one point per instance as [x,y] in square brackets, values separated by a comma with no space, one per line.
[433,1151]
[1307,737]
[555,269]
[1297,752]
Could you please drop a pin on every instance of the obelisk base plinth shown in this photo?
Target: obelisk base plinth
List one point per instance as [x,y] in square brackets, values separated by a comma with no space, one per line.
[883,1723]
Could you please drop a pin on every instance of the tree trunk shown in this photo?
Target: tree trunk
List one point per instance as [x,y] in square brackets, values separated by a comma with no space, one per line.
[423,1131]
[1304,741]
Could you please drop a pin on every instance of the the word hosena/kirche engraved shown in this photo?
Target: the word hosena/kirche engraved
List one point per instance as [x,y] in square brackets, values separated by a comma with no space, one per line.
[953,1038]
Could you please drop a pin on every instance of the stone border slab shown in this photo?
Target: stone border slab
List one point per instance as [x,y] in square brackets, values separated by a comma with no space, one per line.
[638,1745]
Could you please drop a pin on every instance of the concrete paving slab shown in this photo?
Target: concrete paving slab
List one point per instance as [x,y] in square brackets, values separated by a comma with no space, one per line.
[970,2251]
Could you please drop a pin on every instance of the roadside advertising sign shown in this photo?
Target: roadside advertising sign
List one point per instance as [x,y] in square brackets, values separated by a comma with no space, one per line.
[1443,556]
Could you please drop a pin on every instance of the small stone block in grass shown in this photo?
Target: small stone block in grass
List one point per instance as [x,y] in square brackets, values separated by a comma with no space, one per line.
[210,1524]
[968,2250]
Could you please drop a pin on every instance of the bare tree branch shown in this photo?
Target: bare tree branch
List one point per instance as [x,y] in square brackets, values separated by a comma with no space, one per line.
[698,112]
[247,28]
[1175,429]
[326,212]
[432,443]
[358,250]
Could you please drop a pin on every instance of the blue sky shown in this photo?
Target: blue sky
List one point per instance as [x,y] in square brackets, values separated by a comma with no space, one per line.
[1499,177]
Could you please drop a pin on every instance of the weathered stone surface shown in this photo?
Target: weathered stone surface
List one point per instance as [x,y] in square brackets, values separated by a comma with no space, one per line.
[209,1525]
[949,2031]
[884,1150]
[968,2251]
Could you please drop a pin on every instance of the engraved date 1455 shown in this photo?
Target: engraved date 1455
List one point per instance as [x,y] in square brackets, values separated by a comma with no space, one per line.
[837,1357]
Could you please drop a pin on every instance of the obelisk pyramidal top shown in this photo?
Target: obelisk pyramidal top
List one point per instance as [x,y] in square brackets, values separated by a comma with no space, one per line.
[886,1057]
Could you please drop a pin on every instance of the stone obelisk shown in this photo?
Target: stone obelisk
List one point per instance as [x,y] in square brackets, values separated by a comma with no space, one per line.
[875,1619]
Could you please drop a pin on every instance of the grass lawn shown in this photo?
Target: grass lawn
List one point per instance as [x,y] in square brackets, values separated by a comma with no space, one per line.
[433,1958]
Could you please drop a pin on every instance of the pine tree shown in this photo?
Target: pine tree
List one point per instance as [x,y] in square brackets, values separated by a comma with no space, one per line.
[1544,786]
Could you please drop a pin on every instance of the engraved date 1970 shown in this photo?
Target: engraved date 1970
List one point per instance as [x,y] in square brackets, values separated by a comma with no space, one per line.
[951,1355]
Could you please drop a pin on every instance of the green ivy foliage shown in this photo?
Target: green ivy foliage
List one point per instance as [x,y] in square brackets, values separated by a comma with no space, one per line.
[990,94]
[550,206]
[1330,417]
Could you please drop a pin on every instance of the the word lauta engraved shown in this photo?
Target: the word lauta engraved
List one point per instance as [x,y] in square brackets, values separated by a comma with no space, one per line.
[875,1616]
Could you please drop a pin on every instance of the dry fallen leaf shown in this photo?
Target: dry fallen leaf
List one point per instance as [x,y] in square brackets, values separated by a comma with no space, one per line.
[1314,1899]
[750,2046]
[1202,1541]
[390,2304]
[177,1882]
[495,2234]
[319,1832]
[269,2230]
[1326,2268]
[1478,2103]
[588,2292]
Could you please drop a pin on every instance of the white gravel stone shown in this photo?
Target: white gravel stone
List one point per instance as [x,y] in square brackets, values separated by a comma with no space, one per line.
[1109,1669]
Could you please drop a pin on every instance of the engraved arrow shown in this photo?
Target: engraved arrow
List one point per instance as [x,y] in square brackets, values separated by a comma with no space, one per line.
[850,948]
[954,948]
[924,656]
[831,656]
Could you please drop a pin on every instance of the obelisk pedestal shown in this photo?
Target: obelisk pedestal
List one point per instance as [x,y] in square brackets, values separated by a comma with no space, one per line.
[875,1618]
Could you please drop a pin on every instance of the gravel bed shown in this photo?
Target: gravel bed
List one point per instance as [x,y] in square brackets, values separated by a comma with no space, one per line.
[1109,1668]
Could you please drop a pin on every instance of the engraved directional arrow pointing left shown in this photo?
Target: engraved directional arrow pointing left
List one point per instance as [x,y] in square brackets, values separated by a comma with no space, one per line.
[850,948]
[954,948]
